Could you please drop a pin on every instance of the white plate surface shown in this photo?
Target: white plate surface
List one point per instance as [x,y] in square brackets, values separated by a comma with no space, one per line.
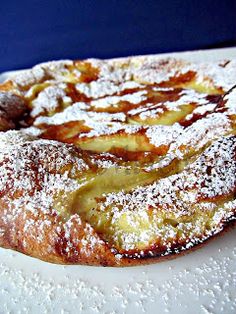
[203,281]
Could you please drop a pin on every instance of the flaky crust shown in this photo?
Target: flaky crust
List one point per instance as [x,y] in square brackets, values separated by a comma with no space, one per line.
[119,162]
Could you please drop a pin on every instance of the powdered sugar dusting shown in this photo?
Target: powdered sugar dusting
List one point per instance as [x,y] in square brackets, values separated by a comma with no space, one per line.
[163,134]
[134,98]
[41,72]
[33,170]
[178,194]
[75,113]
[206,283]
[48,100]
[153,70]
[221,75]
[231,101]
[101,88]
[149,114]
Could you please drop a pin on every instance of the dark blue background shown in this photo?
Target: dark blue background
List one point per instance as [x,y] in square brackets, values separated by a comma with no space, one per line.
[39,30]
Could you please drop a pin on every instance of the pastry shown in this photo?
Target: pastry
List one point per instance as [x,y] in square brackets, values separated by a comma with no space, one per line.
[117,162]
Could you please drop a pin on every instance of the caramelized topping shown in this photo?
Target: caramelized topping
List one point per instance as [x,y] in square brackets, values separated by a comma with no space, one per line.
[139,153]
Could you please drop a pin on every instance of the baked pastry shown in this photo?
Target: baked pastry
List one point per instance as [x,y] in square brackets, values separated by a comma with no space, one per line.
[117,162]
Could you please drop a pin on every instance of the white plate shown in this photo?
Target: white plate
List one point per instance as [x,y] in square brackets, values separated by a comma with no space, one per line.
[203,281]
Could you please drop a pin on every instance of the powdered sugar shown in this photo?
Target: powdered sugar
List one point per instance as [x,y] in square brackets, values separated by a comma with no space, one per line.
[46,177]
[99,129]
[101,88]
[201,132]
[204,283]
[134,98]
[231,101]
[48,100]
[178,194]
[163,134]
[187,97]
[223,76]
[28,166]
[25,78]
[153,70]
[74,113]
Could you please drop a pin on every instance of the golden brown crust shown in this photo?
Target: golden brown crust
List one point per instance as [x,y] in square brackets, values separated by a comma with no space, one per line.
[54,246]
[156,173]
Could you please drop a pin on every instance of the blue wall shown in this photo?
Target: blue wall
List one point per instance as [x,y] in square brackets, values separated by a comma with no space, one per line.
[39,30]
